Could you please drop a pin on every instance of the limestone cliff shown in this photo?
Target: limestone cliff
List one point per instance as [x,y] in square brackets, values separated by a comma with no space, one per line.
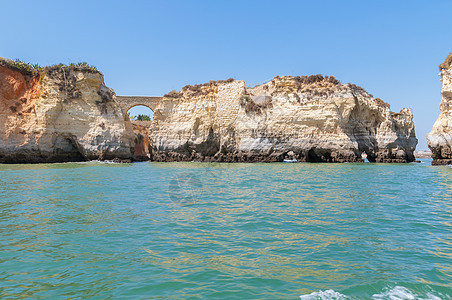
[439,139]
[66,113]
[59,113]
[141,140]
[313,119]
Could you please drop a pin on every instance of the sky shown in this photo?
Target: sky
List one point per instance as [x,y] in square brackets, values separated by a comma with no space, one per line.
[391,48]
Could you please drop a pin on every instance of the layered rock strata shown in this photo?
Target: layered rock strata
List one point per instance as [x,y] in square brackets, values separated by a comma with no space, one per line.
[66,113]
[439,139]
[311,119]
[59,113]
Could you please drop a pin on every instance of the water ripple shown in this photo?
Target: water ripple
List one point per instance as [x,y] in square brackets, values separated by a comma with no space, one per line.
[192,230]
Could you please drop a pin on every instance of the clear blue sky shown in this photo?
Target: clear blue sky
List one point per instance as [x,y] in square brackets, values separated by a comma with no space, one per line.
[391,48]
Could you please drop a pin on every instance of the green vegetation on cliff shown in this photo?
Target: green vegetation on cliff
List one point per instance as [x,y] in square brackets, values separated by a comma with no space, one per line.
[34,69]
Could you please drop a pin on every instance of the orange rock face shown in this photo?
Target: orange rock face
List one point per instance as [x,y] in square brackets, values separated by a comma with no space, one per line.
[141,131]
[18,92]
[58,115]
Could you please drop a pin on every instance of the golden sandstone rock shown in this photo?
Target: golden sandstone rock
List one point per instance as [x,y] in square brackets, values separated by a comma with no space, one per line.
[317,118]
[440,138]
[66,113]
[59,114]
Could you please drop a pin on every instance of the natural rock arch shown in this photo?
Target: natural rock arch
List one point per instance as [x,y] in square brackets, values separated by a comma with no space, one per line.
[138,105]
[142,147]
[127,102]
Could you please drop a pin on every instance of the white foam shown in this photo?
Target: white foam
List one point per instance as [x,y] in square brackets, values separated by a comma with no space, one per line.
[402,293]
[395,293]
[95,161]
[433,297]
[324,295]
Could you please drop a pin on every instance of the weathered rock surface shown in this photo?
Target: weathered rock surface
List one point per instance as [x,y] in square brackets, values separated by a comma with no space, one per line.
[439,139]
[60,114]
[63,113]
[312,119]
[141,140]
[423,154]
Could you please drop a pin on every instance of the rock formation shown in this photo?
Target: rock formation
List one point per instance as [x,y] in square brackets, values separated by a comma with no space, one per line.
[66,113]
[311,119]
[439,139]
[59,113]
[141,140]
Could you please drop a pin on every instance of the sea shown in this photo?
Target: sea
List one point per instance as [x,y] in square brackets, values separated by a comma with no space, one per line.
[97,230]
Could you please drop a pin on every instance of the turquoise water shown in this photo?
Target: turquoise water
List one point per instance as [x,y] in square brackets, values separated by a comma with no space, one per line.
[226,231]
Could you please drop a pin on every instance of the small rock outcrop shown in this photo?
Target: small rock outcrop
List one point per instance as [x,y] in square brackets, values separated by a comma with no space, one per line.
[308,118]
[58,114]
[439,139]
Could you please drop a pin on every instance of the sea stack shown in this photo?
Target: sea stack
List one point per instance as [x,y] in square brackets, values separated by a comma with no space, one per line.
[307,118]
[439,139]
[58,114]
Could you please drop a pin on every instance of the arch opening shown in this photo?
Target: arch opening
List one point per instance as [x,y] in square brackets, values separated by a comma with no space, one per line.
[141,118]
[140,113]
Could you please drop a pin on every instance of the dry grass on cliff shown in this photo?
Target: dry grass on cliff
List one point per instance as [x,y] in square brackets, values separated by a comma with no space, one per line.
[313,85]
[35,69]
[18,65]
[292,84]
[173,94]
[311,79]
[197,89]
[356,89]
[382,103]
[80,66]
[446,64]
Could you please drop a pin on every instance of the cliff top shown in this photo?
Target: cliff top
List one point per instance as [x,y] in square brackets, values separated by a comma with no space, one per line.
[447,63]
[34,69]
[312,85]
[204,88]
[197,89]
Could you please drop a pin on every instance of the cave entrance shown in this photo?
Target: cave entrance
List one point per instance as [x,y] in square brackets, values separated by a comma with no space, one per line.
[65,149]
[367,157]
[318,155]
[141,118]
[364,157]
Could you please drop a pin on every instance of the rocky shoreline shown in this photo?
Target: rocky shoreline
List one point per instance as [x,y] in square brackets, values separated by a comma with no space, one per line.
[308,118]
[66,113]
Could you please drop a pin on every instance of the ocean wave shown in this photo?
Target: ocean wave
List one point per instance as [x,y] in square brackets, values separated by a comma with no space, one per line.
[324,295]
[388,293]
[402,293]
[94,162]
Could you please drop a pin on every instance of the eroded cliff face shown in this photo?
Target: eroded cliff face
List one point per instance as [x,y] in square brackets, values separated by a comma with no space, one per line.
[68,114]
[313,119]
[60,114]
[439,139]
[141,140]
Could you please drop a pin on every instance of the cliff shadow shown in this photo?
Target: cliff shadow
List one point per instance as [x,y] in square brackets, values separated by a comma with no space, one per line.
[141,117]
